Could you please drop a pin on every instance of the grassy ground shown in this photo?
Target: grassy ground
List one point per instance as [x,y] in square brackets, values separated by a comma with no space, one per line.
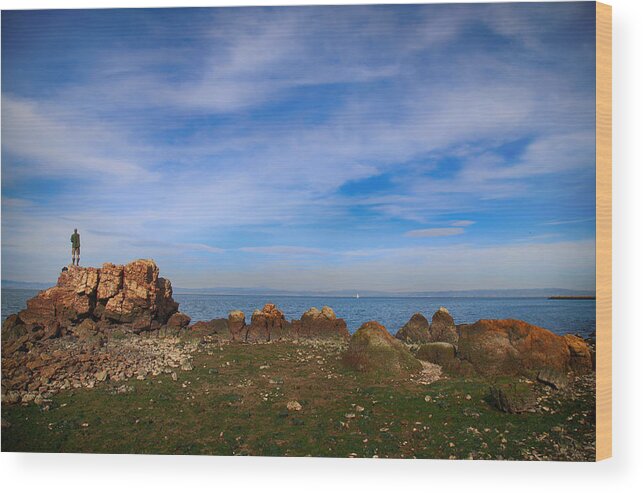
[234,402]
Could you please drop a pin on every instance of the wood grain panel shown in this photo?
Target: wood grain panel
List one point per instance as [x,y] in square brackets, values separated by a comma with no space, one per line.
[603,231]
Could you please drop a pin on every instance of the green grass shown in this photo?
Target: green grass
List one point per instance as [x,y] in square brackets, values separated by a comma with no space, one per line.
[229,406]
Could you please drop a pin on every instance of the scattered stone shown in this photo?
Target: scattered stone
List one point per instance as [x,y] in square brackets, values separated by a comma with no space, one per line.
[293,406]
[430,373]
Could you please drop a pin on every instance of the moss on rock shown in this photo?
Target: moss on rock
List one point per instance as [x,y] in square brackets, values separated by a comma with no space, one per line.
[373,349]
[440,353]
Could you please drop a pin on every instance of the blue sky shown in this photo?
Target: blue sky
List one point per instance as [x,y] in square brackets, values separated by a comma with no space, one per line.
[396,148]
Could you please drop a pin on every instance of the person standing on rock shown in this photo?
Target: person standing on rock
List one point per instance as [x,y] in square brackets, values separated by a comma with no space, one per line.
[75,247]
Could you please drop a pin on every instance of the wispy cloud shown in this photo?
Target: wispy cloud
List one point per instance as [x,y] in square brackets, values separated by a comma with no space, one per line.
[568,221]
[434,232]
[462,223]
[284,250]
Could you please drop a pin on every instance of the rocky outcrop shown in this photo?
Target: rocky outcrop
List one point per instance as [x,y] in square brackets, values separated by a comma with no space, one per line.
[415,331]
[512,347]
[131,297]
[321,325]
[443,327]
[373,349]
[270,324]
[267,324]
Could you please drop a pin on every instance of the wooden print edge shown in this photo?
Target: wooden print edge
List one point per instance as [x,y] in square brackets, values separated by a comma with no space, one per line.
[603,231]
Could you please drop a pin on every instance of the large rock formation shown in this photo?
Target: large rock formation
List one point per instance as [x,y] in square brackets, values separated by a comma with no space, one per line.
[132,297]
[512,347]
[324,324]
[443,327]
[373,349]
[415,331]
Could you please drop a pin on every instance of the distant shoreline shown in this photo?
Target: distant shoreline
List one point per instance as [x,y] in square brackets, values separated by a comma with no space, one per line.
[451,295]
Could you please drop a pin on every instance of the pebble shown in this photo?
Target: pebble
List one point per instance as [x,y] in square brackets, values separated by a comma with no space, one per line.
[293,406]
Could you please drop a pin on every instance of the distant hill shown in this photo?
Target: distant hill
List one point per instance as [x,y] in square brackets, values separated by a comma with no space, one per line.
[7,284]
[472,293]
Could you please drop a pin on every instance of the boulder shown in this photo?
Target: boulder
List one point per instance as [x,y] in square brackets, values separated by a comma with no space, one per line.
[439,353]
[237,325]
[415,331]
[57,305]
[13,328]
[553,378]
[315,324]
[216,329]
[513,398]
[84,330]
[513,347]
[581,359]
[373,349]
[267,324]
[178,321]
[443,327]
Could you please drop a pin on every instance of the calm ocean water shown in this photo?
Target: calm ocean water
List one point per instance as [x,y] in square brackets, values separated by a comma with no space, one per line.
[560,316]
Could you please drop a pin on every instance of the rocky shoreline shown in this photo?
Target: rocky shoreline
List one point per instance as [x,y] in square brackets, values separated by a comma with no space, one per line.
[120,322]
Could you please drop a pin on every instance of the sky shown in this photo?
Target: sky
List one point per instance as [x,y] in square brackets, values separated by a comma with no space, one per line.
[395,148]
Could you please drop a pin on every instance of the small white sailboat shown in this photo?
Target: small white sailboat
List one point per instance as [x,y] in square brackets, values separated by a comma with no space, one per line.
[356,296]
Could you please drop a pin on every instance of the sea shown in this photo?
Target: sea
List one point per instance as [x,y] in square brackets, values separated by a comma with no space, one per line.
[559,316]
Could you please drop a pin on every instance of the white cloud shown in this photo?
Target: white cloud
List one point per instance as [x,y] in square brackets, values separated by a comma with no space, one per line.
[58,143]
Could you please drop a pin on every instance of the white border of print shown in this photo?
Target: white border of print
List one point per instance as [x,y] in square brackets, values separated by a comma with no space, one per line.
[109,473]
